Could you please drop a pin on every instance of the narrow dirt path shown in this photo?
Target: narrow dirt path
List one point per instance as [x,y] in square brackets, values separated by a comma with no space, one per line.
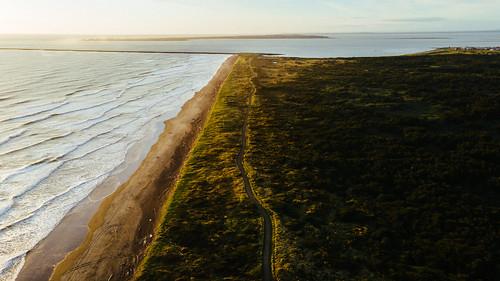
[264,213]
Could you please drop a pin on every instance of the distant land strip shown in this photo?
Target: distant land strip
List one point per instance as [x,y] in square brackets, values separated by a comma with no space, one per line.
[188,38]
[129,51]
[419,38]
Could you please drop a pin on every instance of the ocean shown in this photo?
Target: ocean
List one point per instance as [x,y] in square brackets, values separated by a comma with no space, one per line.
[67,122]
[69,119]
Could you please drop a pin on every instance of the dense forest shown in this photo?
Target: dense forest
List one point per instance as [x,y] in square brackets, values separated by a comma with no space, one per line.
[381,168]
[373,169]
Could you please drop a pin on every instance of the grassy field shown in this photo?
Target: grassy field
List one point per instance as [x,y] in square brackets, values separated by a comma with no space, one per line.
[373,168]
[211,231]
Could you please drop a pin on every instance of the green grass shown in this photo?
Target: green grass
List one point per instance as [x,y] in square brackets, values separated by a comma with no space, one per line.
[211,231]
[373,168]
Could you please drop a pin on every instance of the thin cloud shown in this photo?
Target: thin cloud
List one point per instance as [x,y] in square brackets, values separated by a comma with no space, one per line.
[421,19]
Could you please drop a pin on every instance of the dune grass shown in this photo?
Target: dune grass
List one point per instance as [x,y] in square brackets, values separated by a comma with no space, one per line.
[211,231]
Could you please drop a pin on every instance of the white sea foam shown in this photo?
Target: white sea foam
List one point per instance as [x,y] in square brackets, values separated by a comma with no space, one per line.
[67,121]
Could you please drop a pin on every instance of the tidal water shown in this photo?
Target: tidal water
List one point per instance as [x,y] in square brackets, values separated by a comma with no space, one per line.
[67,122]
[337,45]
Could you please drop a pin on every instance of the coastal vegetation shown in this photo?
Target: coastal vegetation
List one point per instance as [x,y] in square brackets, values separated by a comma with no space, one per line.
[380,168]
[463,51]
[372,168]
[211,231]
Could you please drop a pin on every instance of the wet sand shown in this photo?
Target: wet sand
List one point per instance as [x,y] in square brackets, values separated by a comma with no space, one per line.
[121,225]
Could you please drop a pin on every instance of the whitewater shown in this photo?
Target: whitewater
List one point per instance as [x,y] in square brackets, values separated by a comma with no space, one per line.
[67,122]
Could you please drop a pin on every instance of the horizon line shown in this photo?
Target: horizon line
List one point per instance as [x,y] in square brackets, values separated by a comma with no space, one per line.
[241,34]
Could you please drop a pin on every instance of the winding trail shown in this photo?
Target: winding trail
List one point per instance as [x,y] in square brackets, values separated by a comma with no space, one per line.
[264,213]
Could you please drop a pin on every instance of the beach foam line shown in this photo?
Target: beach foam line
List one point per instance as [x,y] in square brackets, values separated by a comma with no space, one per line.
[141,192]
[164,109]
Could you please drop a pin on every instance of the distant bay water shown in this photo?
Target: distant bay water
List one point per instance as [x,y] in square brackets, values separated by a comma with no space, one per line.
[68,121]
[337,45]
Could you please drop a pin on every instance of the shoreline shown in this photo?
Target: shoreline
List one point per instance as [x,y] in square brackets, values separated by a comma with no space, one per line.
[104,238]
[73,228]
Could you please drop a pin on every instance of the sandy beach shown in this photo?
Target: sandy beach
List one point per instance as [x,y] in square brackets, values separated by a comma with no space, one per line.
[106,235]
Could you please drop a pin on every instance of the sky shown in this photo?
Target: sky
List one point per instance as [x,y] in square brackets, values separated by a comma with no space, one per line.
[244,16]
